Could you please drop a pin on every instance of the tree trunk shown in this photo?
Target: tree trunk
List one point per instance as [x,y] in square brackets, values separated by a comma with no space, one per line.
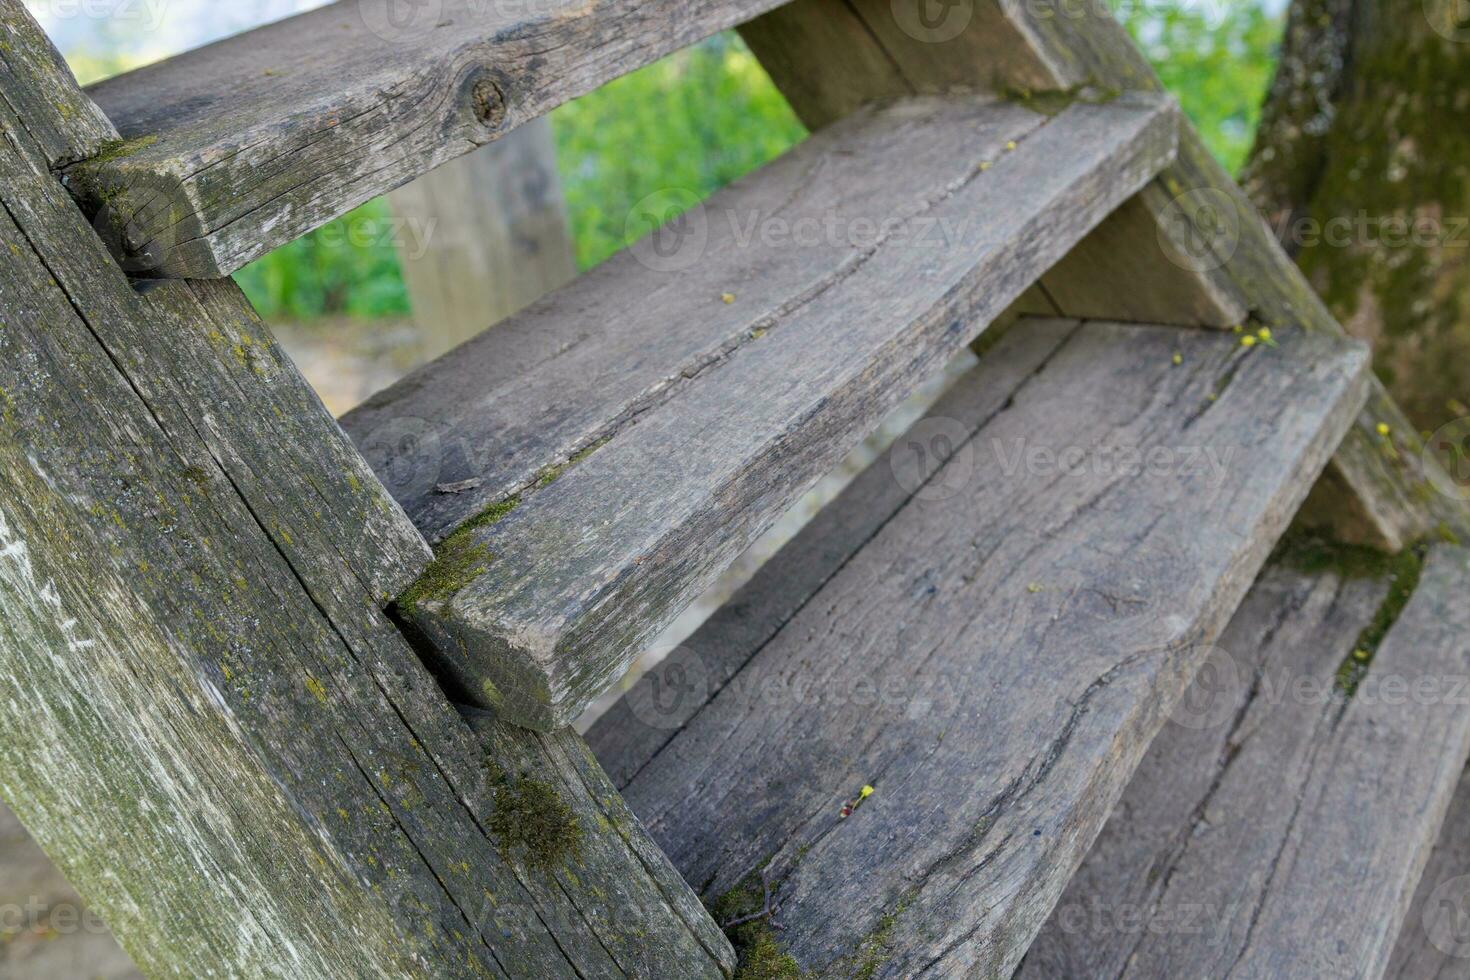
[1362,165]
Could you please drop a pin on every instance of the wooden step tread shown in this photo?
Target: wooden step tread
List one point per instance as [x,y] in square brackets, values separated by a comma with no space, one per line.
[241,146]
[697,402]
[1277,827]
[993,658]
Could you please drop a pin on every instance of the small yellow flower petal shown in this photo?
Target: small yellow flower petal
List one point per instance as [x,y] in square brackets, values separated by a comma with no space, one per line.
[1034,588]
[1178,359]
[867,792]
[727,298]
[1383,429]
[984,165]
[1264,333]
[1247,341]
[1011,145]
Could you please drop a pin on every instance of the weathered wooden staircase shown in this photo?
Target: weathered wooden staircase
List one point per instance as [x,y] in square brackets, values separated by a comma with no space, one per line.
[303,691]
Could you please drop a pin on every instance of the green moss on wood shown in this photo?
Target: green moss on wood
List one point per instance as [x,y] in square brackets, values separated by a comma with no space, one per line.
[761,954]
[1403,580]
[113,150]
[532,822]
[1313,554]
[1051,103]
[763,958]
[550,474]
[457,562]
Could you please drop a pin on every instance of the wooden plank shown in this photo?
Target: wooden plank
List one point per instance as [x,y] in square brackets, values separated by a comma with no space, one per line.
[246,144]
[637,726]
[996,658]
[1124,270]
[482,237]
[227,748]
[1203,256]
[1433,942]
[556,379]
[592,565]
[221,376]
[1280,829]
[43,105]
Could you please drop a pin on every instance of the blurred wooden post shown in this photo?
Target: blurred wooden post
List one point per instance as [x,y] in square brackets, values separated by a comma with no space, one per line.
[483,236]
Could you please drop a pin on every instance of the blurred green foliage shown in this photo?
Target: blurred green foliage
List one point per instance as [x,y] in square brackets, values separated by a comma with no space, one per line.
[695,121]
[706,116]
[347,268]
[1217,57]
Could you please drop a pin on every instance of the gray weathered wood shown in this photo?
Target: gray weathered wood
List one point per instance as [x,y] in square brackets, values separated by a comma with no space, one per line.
[44,108]
[220,376]
[874,49]
[539,611]
[248,143]
[626,736]
[482,237]
[207,722]
[1233,266]
[1276,830]
[997,657]
[1434,943]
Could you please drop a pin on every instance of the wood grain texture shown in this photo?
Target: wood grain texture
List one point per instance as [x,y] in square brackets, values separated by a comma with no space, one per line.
[1434,943]
[482,237]
[638,725]
[1280,831]
[1204,256]
[561,593]
[42,105]
[220,376]
[208,723]
[883,48]
[997,657]
[246,144]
